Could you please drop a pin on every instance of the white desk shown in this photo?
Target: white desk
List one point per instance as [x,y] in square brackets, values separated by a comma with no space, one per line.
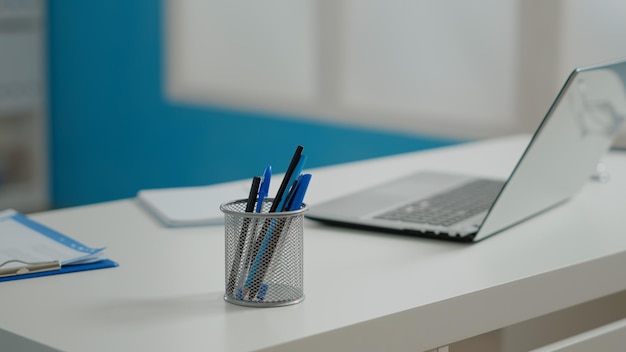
[365,291]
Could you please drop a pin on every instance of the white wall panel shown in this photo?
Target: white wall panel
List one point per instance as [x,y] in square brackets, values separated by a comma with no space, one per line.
[432,59]
[243,50]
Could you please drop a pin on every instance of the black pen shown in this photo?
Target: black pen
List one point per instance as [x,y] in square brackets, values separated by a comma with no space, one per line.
[260,265]
[242,236]
[285,183]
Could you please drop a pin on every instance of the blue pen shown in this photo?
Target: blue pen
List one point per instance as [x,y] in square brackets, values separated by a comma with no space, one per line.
[263,257]
[290,194]
[264,189]
[297,199]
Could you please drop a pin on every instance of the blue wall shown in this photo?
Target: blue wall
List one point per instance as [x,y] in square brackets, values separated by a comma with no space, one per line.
[112,132]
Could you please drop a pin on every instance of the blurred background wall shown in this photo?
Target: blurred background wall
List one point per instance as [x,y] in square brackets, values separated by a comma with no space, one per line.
[99,99]
[114,130]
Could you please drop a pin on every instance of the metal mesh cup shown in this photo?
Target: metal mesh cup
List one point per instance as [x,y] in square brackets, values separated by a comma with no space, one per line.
[263,253]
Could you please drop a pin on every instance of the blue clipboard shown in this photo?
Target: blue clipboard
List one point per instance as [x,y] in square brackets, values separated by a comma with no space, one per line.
[102,264]
[57,237]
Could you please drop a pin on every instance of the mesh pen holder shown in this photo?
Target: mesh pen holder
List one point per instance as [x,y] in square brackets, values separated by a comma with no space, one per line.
[263,255]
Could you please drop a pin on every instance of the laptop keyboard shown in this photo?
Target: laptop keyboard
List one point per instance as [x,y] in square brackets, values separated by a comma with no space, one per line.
[449,207]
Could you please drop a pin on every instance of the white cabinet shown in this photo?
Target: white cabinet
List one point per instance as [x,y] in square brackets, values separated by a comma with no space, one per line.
[607,338]
[23,137]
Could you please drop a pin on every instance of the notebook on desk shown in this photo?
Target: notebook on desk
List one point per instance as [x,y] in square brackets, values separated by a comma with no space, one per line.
[190,206]
[578,129]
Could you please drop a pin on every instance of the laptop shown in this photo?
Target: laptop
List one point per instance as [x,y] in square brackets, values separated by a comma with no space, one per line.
[563,153]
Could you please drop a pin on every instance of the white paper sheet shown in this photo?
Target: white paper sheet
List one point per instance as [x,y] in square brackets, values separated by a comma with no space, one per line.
[27,241]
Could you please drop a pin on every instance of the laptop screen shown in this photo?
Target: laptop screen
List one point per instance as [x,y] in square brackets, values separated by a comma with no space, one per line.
[564,151]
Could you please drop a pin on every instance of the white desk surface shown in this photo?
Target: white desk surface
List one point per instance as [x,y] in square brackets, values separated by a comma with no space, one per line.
[364,290]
